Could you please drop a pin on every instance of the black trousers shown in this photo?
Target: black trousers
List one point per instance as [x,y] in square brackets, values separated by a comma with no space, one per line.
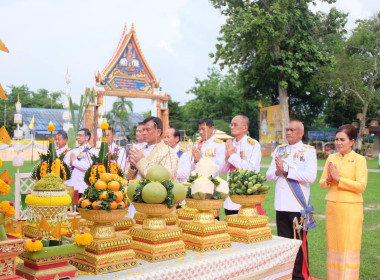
[284,222]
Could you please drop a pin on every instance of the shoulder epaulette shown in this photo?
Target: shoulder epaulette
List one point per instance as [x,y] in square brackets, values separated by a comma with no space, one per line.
[218,140]
[182,149]
[282,145]
[97,148]
[199,140]
[251,141]
[89,147]
[308,146]
[68,149]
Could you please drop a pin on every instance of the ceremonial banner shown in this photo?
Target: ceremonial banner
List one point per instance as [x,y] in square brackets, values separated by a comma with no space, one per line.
[270,128]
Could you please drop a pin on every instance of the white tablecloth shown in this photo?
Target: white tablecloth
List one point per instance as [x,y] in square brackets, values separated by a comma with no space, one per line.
[272,259]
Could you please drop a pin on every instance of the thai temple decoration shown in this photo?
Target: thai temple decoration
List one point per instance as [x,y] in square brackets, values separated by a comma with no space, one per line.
[127,74]
[66,104]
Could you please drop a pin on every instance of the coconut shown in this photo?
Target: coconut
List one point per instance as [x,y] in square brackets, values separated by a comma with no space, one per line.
[202,188]
[206,167]
[222,188]
[154,192]
[158,173]
[179,191]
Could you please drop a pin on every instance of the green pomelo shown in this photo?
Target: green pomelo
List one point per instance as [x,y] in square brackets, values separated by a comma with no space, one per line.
[131,190]
[179,191]
[158,173]
[154,193]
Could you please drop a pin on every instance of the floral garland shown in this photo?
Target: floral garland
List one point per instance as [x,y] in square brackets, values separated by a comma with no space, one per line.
[114,167]
[7,208]
[33,245]
[100,168]
[4,187]
[83,239]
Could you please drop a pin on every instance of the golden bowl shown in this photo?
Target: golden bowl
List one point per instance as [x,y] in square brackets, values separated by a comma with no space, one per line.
[102,216]
[247,200]
[153,209]
[204,204]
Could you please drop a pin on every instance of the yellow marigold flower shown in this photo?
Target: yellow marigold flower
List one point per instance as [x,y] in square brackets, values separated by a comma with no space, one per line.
[7,208]
[104,126]
[63,231]
[4,187]
[1,163]
[33,245]
[83,239]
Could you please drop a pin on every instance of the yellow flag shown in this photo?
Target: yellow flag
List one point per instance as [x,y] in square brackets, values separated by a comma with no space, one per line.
[31,125]
[2,93]
[3,47]
[260,104]
[56,232]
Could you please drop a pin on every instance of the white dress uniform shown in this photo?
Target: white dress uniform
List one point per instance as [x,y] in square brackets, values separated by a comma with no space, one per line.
[121,155]
[300,161]
[79,166]
[215,149]
[184,163]
[247,157]
[61,150]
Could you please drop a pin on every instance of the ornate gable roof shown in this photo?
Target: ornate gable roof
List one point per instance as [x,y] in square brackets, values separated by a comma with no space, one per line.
[128,69]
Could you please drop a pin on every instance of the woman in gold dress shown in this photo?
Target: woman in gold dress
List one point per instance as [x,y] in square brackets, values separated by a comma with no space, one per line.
[345,177]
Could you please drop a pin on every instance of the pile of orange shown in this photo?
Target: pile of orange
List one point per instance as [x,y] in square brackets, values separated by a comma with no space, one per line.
[107,193]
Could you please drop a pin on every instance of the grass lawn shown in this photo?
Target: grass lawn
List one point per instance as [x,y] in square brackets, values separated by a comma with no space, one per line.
[370,254]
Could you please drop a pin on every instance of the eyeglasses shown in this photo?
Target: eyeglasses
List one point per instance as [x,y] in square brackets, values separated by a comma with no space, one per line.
[80,135]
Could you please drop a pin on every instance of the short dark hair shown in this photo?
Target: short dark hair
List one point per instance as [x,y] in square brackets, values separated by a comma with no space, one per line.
[176,133]
[156,121]
[110,128]
[86,132]
[140,123]
[350,130]
[63,134]
[208,121]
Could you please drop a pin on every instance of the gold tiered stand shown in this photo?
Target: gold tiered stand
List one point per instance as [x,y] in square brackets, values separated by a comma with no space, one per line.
[204,233]
[154,241]
[110,251]
[247,226]
[171,219]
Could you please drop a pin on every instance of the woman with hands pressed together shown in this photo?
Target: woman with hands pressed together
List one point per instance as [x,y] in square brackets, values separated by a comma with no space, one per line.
[345,177]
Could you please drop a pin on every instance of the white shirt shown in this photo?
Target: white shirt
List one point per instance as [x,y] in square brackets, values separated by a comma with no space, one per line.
[184,164]
[247,157]
[148,149]
[66,159]
[79,166]
[214,150]
[300,161]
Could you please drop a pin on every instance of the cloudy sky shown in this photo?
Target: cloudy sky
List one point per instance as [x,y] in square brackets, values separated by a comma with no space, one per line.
[45,37]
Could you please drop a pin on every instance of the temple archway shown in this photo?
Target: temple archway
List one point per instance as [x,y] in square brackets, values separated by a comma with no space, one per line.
[127,74]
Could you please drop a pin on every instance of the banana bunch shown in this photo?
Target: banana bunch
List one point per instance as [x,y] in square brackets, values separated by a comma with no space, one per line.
[243,182]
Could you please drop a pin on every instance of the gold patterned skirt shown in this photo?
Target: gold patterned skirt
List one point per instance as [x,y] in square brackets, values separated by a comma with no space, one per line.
[344,222]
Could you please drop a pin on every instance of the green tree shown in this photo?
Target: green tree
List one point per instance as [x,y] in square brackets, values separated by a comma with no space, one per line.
[120,112]
[85,100]
[277,44]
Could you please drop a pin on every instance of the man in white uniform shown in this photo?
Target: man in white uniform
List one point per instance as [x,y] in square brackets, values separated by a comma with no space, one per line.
[80,160]
[209,146]
[61,145]
[171,139]
[243,152]
[297,162]
[118,151]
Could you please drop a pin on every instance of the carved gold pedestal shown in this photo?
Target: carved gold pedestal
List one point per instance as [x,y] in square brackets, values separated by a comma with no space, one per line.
[121,226]
[247,226]
[110,251]
[170,219]
[204,233]
[9,250]
[154,241]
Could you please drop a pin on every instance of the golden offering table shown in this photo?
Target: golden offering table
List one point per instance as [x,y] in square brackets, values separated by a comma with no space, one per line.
[271,259]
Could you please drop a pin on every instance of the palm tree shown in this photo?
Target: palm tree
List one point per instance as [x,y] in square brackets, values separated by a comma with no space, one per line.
[121,109]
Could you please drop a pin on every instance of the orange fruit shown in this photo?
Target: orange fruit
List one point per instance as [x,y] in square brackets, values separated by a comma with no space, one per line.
[103,195]
[107,177]
[122,204]
[114,205]
[95,205]
[119,196]
[85,203]
[100,185]
[80,201]
[114,185]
